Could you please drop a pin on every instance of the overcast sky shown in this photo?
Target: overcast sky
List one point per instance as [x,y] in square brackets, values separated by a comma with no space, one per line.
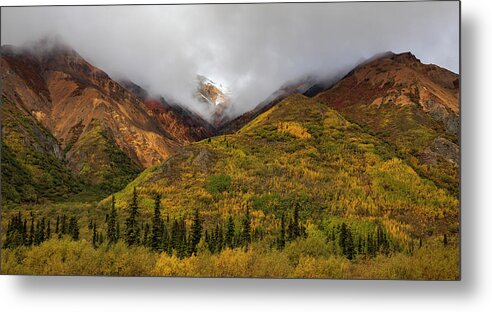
[251,49]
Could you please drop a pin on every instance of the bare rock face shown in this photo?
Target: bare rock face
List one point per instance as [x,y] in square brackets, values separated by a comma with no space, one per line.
[180,123]
[183,125]
[441,147]
[449,118]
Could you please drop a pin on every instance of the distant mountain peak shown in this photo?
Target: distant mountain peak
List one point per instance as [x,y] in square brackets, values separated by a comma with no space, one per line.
[215,96]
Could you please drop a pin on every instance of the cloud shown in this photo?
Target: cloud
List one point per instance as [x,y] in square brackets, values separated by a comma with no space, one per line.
[252,49]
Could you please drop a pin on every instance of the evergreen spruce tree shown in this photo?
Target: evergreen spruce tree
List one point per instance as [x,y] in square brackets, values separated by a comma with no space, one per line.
[157,239]
[343,238]
[74,228]
[70,227]
[359,245]
[297,231]
[281,240]
[146,236]
[48,230]
[196,232]
[75,234]
[220,238]
[36,233]
[293,230]
[20,238]
[290,230]
[42,229]
[166,244]
[132,227]
[207,239]
[94,235]
[445,240]
[57,226]
[346,242]
[349,252]
[118,231]
[112,232]
[229,237]
[381,242]
[185,248]
[24,233]
[385,244]
[11,233]
[31,232]
[370,249]
[175,235]
[63,227]
[8,243]
[246,229]
[211,241]
[182,249]
[15,234]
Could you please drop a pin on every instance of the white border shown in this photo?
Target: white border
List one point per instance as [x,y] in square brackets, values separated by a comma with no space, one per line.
[473,293]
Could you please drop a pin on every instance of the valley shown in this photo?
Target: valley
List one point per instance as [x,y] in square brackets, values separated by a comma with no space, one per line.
[355,179]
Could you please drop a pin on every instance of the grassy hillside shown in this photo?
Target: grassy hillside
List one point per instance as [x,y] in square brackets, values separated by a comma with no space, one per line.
[300,152]
[33,167]
[322,196]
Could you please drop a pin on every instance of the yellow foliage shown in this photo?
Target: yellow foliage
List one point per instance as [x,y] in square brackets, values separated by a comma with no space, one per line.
[332,267]
[294,128]
[173,266]
[311,258]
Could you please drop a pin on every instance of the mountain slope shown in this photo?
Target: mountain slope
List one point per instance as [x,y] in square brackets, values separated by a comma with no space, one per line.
[300,153]
[215,97]
[301,86]
[182,124]
[411,105]
[68,96]
[33,166]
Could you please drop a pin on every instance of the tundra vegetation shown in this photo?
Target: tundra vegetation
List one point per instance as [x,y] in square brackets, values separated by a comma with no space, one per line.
[300,191]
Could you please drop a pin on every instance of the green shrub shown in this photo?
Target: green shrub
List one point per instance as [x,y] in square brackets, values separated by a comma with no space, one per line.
[218,184]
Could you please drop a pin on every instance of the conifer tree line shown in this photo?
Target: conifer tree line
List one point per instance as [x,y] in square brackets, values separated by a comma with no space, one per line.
[161,235]
[173,236]
[30,231]
[291,231]
[368,244]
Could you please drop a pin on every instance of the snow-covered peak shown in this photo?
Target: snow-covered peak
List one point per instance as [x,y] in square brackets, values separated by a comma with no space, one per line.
[215,95]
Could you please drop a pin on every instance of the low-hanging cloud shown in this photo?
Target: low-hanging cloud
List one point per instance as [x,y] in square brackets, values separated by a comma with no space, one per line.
[251,49]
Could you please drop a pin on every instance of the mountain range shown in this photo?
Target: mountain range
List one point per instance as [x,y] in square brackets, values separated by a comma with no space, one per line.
[67,125]
[102,131]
